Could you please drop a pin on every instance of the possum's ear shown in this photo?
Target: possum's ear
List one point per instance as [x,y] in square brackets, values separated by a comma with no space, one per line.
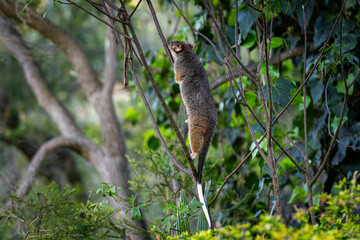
[191,46]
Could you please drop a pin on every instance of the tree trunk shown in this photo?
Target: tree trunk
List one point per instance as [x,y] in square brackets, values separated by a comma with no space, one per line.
[111,160]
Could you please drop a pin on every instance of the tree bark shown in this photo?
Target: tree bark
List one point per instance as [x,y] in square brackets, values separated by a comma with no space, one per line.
[111,161]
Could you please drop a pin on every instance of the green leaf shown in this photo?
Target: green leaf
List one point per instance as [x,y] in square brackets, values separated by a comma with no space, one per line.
[153,143]
[280,92]
[295,195]
[298,99]
[194,204]
[246,19]
[276,42]
[274,7]
[249,40]
[309,7]
[341,85]
[230,33]
[132,115]
[322,29]
[135,213]
[316,89]
[274,73]
[250,98]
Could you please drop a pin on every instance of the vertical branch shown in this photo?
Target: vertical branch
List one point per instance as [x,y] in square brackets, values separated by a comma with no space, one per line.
[315,65]
[327,155]
[247,72]
[163,40]
[172,157]
[268,117]
[306,155]
[161,99]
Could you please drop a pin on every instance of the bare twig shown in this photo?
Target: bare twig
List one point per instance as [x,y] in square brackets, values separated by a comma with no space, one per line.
[163,40]
[101,20]
[298,51]
[170,154]
[308,170]
[315,65]
[233,172]
[243,69]
[268,118]
[200,34]
[162,101]
[134,10]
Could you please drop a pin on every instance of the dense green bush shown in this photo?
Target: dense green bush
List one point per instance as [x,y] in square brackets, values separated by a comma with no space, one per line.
[53,214]
[338,218]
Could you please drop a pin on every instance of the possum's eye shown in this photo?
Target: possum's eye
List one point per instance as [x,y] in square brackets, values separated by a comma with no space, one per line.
[179,47]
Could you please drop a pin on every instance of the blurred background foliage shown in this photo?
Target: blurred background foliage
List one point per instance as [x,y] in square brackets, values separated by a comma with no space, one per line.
[247,194]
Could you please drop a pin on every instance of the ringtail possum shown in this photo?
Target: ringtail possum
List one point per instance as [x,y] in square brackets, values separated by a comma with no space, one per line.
[200,107]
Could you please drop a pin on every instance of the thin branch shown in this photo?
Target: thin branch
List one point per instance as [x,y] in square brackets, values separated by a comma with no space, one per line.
[252,6]
[163,40]
[199,33]
[247,117]
[327,155]
[288,137]
[308,170]
[221,12]
[172,157]
[136,7]
[243,69]
[298,51]
[99,7]
[161,99]
[233,172]
[81,145]
[101,20]
[315,65]
[271,160]
[353,81]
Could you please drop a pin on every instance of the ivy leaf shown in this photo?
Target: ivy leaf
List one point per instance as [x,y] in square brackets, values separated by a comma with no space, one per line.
[276,42]
[250,98]
[274,73]
[230,33]
[231,19]
[334,100]
[280,92]
[322,29]
[308,11]
[246,19]
[341,85]
[211,56]
[316,89]
[275,7]
[249,40]
[297,193]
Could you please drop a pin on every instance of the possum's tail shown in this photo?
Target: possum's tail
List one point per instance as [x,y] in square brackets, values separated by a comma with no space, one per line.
[202,156]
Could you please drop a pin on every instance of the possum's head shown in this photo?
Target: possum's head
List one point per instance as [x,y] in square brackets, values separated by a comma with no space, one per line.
[179,48]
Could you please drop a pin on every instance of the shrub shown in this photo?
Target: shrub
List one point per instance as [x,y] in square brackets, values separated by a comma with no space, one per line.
[338,217]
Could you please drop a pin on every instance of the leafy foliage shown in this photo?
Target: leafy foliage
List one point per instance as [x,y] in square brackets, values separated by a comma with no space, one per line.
[162,191]
[339,218]
[51,214]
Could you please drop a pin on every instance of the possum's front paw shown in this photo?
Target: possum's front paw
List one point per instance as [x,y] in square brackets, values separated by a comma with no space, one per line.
[193,155]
